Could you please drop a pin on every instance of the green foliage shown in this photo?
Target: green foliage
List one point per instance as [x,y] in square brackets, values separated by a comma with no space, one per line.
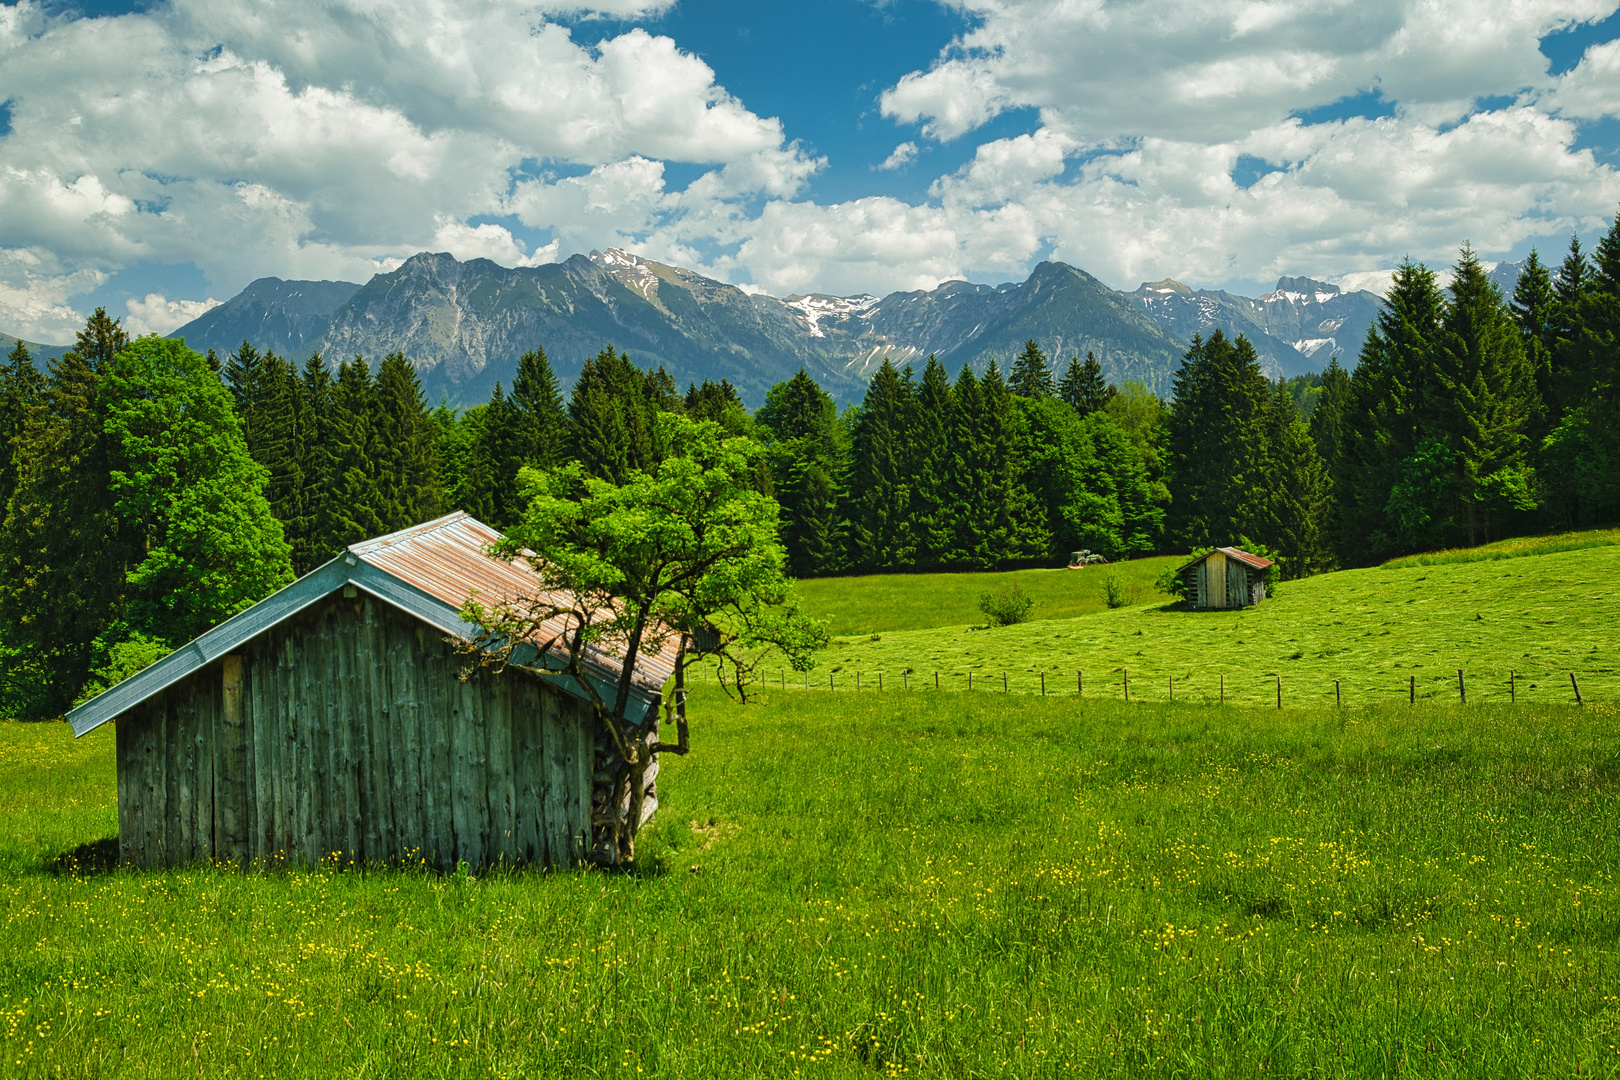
[1114,591]
[1007,605]
[613,416]
[186,494]
[806,447]
[120,653]
[675,552]
[878,508]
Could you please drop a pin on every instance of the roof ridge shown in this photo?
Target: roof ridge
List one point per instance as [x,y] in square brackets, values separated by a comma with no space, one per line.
[388,539]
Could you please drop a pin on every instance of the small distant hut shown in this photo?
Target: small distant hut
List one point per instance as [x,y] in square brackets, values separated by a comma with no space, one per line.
[329,720]
[1227,577]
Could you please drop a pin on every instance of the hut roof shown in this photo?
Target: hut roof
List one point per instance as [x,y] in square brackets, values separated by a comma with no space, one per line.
[1253,562]
[428,571]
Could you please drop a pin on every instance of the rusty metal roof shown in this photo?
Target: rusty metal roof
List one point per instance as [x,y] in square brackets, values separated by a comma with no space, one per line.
[1253,562]
[429,572]
[446,559]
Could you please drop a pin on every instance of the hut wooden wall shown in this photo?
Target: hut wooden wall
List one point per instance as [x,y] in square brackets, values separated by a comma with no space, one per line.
[345,733]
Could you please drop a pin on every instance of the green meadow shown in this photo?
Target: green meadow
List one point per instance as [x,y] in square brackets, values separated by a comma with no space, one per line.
[943,884]
[1512,611]
[881,602]
[855,885]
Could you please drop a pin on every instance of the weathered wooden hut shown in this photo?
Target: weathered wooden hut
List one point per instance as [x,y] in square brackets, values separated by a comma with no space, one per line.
[1227,577]
[328,721]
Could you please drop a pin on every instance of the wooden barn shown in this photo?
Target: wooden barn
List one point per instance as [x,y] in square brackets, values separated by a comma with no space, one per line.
[328,722]
[1227,577]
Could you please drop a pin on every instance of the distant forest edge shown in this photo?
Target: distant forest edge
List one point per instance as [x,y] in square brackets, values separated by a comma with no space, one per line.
[150,491]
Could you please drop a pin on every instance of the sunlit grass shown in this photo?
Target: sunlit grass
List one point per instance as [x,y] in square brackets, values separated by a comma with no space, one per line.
[1372,636]
[877,603]
[905,883]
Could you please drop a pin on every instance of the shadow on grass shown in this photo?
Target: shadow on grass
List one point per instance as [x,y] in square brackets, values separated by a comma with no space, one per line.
[96,857]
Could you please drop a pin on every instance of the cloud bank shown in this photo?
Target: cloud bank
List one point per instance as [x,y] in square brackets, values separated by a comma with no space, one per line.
[1208,141]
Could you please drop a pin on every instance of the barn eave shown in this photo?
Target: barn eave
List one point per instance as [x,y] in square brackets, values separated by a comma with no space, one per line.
[317,585]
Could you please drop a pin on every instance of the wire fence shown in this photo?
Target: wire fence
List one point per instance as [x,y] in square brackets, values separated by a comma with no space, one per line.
[1275,689]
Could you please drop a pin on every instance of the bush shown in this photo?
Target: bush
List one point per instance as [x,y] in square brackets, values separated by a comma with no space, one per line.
[1113,591]
[1007,605]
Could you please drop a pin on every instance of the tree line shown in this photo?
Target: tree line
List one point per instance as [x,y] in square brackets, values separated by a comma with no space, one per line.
[150,492]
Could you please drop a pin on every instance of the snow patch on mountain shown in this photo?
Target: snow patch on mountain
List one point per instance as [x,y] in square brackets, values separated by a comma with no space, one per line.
[812,309]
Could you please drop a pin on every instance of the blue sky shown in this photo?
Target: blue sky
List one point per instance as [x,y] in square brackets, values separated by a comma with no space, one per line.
[156,157]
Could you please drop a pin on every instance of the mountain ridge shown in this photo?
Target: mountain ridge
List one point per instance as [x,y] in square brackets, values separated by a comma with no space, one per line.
[465,323]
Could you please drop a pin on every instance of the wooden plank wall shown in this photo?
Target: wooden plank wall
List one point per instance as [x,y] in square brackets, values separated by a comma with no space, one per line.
[344,734]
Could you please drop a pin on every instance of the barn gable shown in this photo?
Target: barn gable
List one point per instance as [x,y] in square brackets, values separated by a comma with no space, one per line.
[427,571]
[331,721]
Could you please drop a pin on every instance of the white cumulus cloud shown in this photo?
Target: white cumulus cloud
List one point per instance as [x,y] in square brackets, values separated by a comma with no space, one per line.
[157,314]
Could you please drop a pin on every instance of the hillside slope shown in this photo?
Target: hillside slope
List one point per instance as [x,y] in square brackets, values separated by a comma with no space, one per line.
[1541,616]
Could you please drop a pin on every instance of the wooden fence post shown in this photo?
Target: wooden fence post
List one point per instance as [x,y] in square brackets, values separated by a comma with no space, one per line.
[1127,683]
[1172,688]
[1279,691]
[1003,682]
[784,678]
[880,682]
[1577,687]
[1338,696]
[1223,688]
[1080,682]
[1513,690]
[936,680]
[970,679]
[905,679]
[1043,684]
[1462,687]
[1411,689]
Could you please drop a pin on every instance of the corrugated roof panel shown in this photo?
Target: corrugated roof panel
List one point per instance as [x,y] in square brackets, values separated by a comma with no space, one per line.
[445,559]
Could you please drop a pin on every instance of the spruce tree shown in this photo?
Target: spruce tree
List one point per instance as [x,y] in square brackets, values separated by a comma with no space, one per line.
[1388,391]
[1218,452]
[355,501]
[1019,527]
[1534,300]
[1296,496]
[806,453]
[63,550]
[539,423]
[20,388]
[315,536]
[1083,386]
[719,402]
[1481,401]
[244,372]
[967,478]
[406,446]
[611,413]
[879,493]
[281,451]
[488,495]
[932,529]
[1031,373]
[1582,455]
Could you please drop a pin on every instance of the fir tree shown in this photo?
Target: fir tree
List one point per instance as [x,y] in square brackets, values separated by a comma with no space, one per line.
[1218,455]
[1481,400]
[1031,373]
[1534,301]
[355,501]
[719,402]
[879,507]
[806,456]
[932,529]
[1019,526]
[63,550]
[20,388]
[1388,391]
[1296,496]
[539,423]
[406,445]
[314,534]
[611,413]
[1083,386]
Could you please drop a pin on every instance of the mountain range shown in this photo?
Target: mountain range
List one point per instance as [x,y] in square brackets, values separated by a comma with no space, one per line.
[464,324]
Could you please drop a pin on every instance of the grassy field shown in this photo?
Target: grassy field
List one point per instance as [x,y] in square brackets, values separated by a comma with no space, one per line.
[1540,616]
[851,885]
[881,602]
